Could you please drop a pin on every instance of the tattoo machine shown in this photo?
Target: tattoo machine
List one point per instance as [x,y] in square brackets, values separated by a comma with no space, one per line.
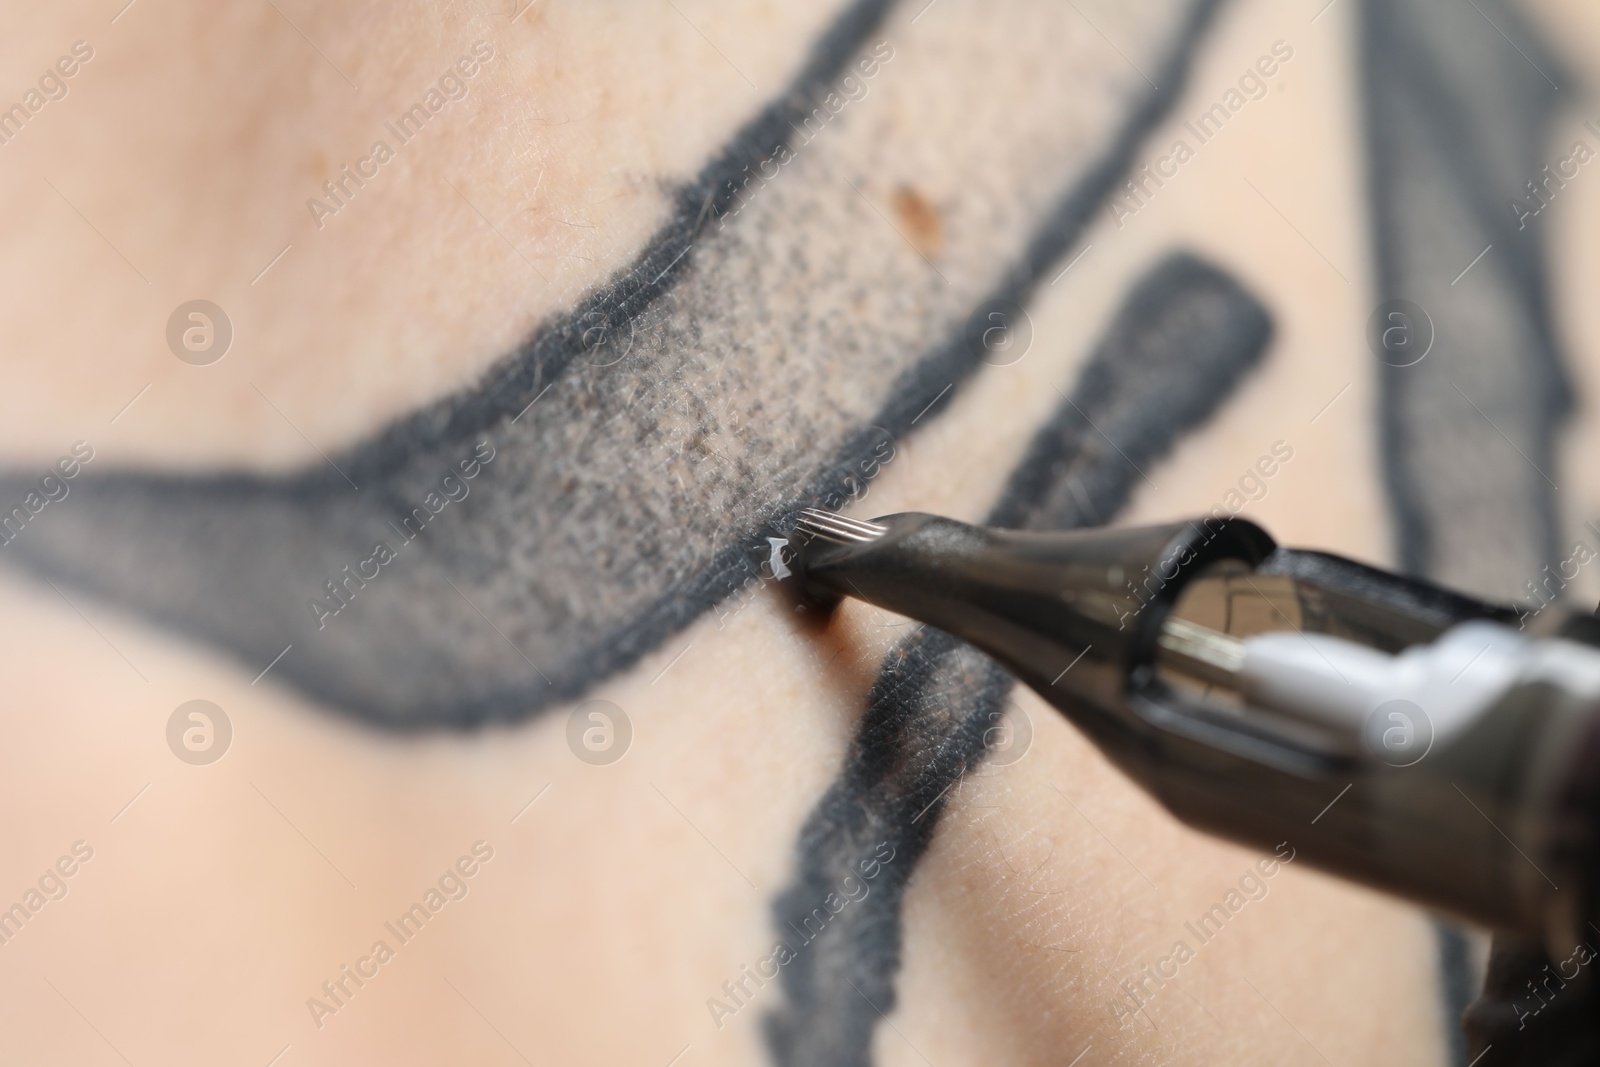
[1401,735]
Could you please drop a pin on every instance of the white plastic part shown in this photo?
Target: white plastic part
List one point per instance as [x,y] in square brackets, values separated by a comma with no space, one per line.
[1336,685]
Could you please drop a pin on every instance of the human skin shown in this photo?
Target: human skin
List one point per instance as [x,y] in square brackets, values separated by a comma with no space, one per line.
[222,897]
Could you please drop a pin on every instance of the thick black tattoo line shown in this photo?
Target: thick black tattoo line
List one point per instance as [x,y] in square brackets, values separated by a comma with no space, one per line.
[1458,101]
[1178,347]
[756,364]
[1457,121]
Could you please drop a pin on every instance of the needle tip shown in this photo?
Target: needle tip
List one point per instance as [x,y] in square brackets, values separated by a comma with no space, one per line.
[839,529]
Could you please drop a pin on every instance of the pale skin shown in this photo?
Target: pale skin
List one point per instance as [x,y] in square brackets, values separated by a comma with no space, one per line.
[220,898]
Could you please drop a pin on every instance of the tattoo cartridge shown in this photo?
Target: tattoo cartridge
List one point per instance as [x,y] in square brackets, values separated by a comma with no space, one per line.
[1396,733]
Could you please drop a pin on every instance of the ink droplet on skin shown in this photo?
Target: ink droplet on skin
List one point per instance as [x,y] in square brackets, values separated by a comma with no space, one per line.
[919,219]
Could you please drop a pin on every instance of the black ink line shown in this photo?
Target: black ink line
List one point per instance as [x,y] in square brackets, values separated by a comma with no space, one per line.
[1182,341]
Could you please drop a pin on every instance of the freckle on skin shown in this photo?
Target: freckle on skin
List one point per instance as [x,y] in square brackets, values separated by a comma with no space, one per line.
[919,219]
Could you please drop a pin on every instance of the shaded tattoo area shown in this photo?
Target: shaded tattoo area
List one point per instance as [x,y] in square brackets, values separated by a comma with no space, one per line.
[647,441]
